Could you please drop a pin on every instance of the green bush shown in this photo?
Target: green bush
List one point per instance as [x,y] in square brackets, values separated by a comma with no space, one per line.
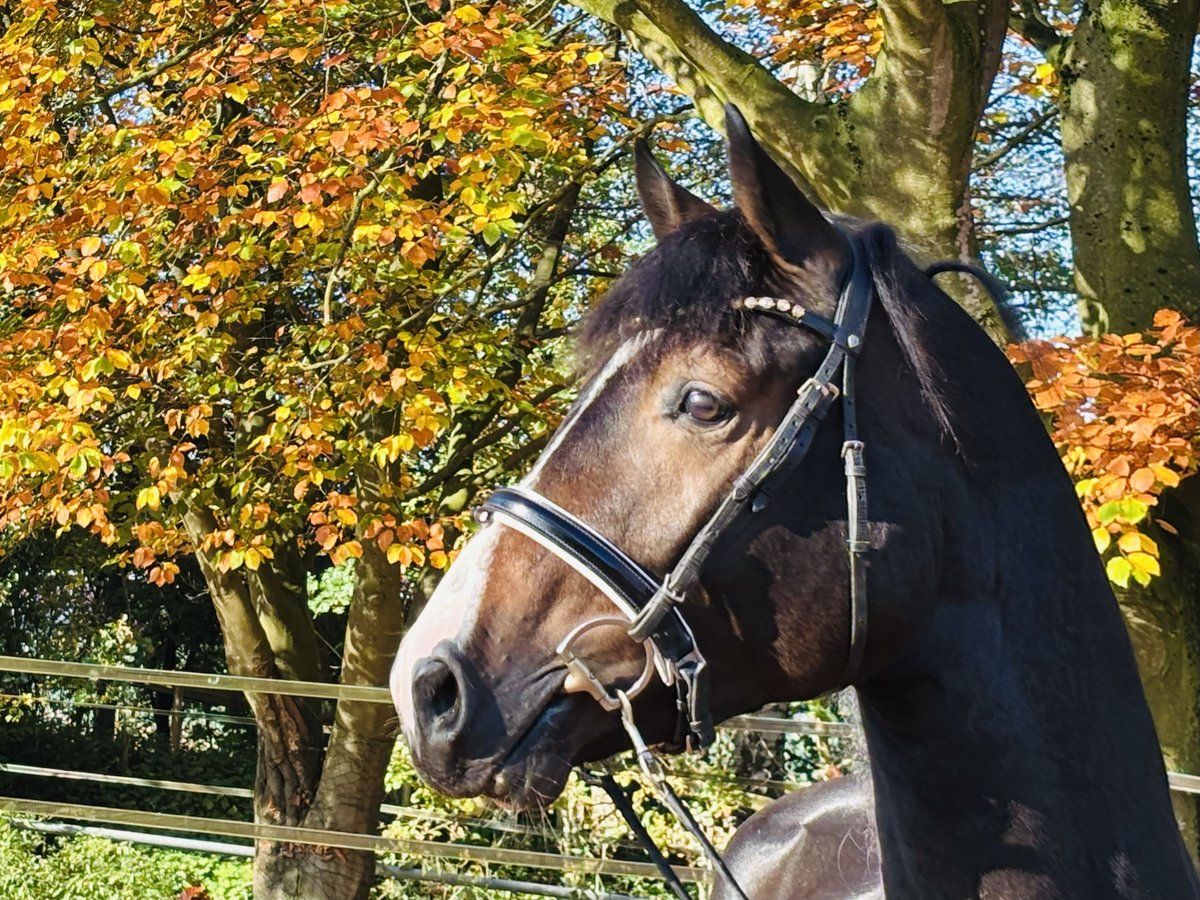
[35,866]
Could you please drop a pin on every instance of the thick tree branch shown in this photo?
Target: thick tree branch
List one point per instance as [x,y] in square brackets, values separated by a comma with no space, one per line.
[712,71]
[247,650]
[911,28]
[280,591]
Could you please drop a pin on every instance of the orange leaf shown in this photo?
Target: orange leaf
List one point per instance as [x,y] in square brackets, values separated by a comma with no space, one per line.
[1142,480]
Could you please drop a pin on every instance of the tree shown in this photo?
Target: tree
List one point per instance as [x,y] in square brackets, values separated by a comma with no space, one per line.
[897,149]
[277,279]
[1125,68]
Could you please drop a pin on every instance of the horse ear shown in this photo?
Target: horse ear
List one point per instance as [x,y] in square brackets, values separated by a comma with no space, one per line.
[667,205]
[791,227]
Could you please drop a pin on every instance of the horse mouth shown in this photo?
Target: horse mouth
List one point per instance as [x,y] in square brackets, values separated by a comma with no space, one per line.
[534,771]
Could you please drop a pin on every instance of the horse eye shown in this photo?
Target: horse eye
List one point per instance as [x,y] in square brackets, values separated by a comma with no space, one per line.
[703,406]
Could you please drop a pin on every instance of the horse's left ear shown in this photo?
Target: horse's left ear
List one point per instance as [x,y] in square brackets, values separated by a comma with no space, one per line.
[790,226]
[667,205]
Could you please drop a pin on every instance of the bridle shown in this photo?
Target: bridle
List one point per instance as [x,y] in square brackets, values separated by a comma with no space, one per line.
[651,605]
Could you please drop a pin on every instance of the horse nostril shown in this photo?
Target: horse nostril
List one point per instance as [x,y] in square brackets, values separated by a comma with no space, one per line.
[445,694]
[437,694]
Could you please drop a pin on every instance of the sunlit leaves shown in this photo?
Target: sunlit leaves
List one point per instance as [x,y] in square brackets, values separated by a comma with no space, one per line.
[244,251]
[826,46]
[1125,414]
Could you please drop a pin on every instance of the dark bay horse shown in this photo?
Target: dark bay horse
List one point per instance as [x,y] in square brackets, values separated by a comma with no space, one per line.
[1011,751]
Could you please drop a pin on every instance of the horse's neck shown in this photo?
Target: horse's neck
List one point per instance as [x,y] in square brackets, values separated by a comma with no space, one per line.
[1013,756]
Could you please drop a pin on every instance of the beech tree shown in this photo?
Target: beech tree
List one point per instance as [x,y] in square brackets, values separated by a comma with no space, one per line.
[275,279]
[282,281]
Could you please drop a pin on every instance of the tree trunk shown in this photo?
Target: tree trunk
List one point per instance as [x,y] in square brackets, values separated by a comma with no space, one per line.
[1164,623]
[1125,76]
[1125,80]
[898,151]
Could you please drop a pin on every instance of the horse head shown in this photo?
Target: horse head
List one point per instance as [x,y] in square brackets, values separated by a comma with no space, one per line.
[682,388]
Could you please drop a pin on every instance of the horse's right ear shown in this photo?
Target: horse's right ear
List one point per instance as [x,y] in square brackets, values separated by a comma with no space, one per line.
[667,205]
[789,225]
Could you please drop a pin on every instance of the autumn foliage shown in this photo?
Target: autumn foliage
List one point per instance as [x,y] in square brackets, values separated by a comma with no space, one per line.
[243,255]
[1125,414]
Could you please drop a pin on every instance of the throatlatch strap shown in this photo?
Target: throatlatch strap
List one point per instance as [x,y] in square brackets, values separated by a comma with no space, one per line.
[858,541]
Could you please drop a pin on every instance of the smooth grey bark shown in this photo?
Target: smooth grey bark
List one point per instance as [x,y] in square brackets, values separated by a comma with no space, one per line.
[1125,89]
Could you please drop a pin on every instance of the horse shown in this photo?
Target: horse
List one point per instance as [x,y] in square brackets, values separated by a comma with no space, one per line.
[1011,751]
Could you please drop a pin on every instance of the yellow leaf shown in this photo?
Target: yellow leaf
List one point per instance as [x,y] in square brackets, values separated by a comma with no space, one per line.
[301,218]
[252,559]
[148,497]
[593,58]
[1169,477]
[1144,562]
[1102,539]
[119,358]
[468,14]
[1119,570]
[133,391]
[1129,542]
[238,92]
[438,559]
[89,245]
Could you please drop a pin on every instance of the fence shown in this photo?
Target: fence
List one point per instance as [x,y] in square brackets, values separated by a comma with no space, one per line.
[233,829]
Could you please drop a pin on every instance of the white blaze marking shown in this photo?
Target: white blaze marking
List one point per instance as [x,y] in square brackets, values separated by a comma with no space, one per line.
[624,354]
[453,609]
[449,615]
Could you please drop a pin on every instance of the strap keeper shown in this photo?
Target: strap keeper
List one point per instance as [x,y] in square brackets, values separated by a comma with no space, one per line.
[858,546]
[852,453]
[827,389]
[743,487]
[652,614]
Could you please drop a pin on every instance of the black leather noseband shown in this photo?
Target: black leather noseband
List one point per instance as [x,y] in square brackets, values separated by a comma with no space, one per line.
[652,603]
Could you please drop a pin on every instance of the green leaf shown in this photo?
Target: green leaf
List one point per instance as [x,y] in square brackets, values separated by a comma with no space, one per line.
[1119,570]
[491,233]
[1133,511]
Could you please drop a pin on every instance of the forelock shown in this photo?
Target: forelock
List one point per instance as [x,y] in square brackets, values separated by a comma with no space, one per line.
[683,292]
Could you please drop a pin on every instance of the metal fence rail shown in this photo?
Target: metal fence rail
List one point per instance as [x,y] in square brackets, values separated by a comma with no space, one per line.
[219,848]
[189,787]
[325,691]
[343,840]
